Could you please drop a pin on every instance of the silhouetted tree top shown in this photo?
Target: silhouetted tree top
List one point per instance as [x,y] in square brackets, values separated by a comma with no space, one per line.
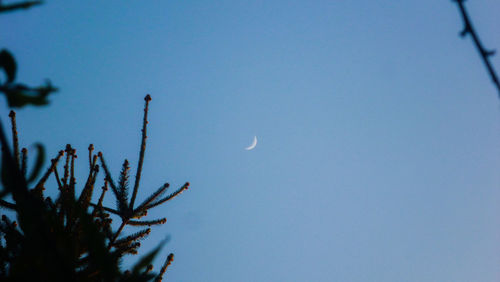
[70,238]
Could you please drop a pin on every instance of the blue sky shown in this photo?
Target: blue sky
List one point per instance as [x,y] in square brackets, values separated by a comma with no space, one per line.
[378,129]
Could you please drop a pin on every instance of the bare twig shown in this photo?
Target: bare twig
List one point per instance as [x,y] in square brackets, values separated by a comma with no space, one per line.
[485,54]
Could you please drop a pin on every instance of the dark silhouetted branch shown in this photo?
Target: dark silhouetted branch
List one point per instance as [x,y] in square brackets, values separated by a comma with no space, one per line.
[51,169]
[15,139]
[147,222]
[142,151]
[134,237]
[24,161]
[105,208]
[108,175]
[168,261]
[485,54]
[169,197]
[91,162]
[88,242]
[18,6]
[122,199]
[7,205]
[153,197]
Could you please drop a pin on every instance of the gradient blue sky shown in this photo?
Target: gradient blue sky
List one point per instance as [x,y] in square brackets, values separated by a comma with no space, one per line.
[378,129]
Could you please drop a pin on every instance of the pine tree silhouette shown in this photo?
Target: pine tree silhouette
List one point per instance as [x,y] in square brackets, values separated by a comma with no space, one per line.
[70,238]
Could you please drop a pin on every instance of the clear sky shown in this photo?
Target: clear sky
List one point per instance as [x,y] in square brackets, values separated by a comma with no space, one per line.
[379,129]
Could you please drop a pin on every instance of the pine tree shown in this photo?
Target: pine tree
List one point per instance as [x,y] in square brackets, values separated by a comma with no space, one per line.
[70,238]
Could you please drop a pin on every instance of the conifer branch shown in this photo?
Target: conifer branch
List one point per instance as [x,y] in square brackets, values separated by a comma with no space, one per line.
[128,249]
[58,180]
[86,193]
[142,151]
[88,189]
[108,175]
[98,207]
[66,166]
[153,197]
[147,222]
[7,205]
[112,240]
[163,269]
[134,237]
[19,194]
[24,161]
[169,197]
[85,237]
[15,139]
[72,181]
[113,211]
[51,169]
[122,199]
[17,6]
[485,54]
[91,160]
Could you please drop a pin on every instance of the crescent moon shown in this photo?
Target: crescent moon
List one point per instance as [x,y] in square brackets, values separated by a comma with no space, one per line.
[254,143]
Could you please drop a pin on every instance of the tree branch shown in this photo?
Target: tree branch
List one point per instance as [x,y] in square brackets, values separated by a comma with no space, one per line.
[485,54]
[17,6]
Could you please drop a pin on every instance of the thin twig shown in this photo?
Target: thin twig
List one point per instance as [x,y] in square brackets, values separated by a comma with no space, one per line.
[485,54]
[112,241]
[66,166]
[58,180]
[106,208]
[168,261]
[24,161]
[151,198]
[72,180]
[101,198]
[141,153]
[108,174]
[169,197]
[147,222]
[49,171]
[91,149]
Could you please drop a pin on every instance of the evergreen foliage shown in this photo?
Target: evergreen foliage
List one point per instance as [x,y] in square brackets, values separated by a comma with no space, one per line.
[71,238]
